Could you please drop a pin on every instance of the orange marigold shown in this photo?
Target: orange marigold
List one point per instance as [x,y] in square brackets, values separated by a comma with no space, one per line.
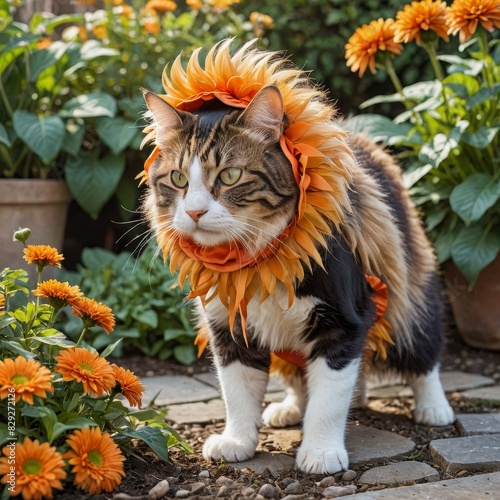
[259,18]
[96,459]
[38,469]
[151,25]
[222,4]
[2,304]
[369,39]
[160,6]
[58,293]
[421,16]
[131,386]
[94,372]
[194,4]
[94,313]
[465,15]
[42,255]
[24,378]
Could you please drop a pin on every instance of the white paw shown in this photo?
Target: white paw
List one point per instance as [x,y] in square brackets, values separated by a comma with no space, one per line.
[322,461]
[218,446]
[434,415]
[281,415]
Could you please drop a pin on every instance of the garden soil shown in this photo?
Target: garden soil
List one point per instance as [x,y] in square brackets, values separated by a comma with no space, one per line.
[184,470]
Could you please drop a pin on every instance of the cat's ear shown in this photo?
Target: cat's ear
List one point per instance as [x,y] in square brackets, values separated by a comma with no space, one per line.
[264,114]
[165,116]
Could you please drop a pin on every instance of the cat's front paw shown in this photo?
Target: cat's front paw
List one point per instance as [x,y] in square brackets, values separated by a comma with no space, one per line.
[434,415]
[282,414]
[322,460]
[231,449]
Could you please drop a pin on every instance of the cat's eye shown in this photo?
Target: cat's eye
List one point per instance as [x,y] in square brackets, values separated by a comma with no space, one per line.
[179,179]
[230,176]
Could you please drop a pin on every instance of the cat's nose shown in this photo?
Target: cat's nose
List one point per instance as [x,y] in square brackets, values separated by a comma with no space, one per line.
[195,214]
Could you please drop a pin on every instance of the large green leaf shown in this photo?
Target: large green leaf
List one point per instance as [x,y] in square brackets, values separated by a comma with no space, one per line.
[117,133]
[153,437]
[481,138]
[89,105]
[379,127]
[482,95]
[43,134]
[437,151]
[469,82]
[415,173]
[93,49]
[43,59]
[472,250]
[474,196]
[73,139]
[4,136]
[185,354]
[92,180]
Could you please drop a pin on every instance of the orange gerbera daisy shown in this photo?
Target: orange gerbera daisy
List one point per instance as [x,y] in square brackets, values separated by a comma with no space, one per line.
[26,377]
[367,41]
[42,255]
[94,372]
[97,461]
[421,16]
[130,384]
[94,313]
[465,15]
[194,4]
[57,293]
[160,6]
[37,470]
[2,304]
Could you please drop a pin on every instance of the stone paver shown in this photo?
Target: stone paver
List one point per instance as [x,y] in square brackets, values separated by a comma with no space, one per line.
[285,440]
[197,413]
[210,378]
[482,486]
[471,424]
[175,389]
[471,453]
[275,462]
[366,444]
[489,393]
[399,474]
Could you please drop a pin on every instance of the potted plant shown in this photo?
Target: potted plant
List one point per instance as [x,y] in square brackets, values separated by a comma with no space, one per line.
[448,138]
[44,105]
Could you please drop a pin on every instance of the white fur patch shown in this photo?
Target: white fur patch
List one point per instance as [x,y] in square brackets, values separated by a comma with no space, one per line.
[243,391]
[431,405]
[290,410]
[330,392]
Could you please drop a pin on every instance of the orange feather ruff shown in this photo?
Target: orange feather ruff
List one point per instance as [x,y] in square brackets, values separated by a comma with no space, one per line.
[319,156]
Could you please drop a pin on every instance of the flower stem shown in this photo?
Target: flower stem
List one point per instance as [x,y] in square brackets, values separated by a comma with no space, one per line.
[394,77]
[85,330]
[5,100]
[436,66]
[483,44]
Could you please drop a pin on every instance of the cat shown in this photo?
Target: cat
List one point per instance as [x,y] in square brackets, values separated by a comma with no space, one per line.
[221,178]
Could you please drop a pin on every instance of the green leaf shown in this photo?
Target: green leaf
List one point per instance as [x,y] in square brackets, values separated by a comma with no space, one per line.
[14,346]
[185,354]
[153,437]
[74,423]
[472,250]
[415,173]
[96,258]
[379,127]
[58,339]
[481,138]
[148,317]
[89,105]
[469,82]
[73,138]
[49,420]
[4,136]
[437,151]
[117,133]
[43,135]
[110,348]
[43,59]
[380,99]
[144,415]
[482,95]
[4,434]
[53,22]
[93,181]
[473,197]
[93,49]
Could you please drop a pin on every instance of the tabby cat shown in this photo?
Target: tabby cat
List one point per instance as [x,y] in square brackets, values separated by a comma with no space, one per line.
[222,179]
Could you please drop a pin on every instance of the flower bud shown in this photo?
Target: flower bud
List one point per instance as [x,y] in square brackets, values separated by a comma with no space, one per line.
[22,235]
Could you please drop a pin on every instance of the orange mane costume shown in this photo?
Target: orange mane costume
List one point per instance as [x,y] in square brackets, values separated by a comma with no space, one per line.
[321,161]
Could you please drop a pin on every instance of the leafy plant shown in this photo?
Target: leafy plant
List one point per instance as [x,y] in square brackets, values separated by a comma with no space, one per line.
[149,307]
[57,396]
[448,137]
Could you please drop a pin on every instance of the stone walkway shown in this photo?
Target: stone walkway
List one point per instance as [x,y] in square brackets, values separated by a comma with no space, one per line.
[196,400]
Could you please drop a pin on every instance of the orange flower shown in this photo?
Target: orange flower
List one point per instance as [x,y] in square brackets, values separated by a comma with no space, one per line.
[44,43]
[131,386]
[465,15]
[25,378]
[264,19]
[57,293]
[421,16]
[94,372]
[37,469]
[160,6]
[42,255]
[366,41]
[94,313]
[222,4]
[151,25]
[2,304]
[97,461]
[194,4]
[124,10]
[100,31]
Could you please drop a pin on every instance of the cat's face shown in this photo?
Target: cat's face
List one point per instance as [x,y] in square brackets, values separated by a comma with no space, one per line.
[221,175]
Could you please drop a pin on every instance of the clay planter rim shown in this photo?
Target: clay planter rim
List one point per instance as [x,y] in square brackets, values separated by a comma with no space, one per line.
[33,191]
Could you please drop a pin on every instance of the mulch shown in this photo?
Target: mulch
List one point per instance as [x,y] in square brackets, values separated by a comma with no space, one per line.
[391,415]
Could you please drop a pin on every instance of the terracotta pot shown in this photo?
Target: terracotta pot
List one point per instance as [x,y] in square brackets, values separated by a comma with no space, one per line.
[39,204]
[477,313]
